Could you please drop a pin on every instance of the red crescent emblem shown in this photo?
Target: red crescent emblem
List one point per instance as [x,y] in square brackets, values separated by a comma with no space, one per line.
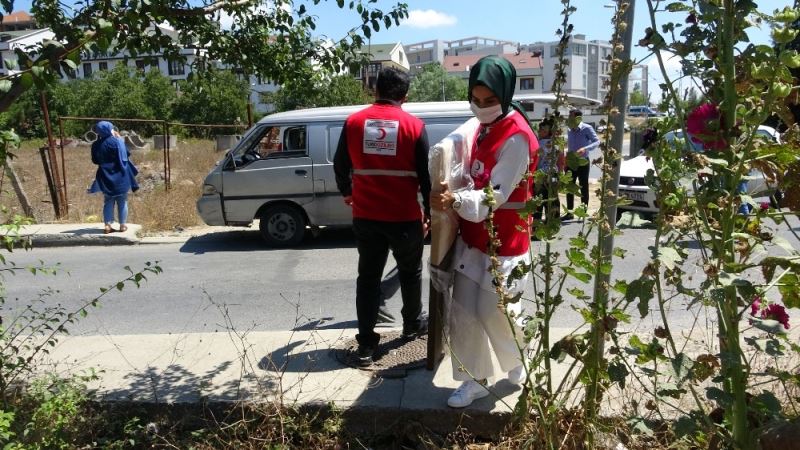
[382,134]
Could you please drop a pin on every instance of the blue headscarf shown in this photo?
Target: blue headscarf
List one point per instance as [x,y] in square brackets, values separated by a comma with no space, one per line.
[115,172]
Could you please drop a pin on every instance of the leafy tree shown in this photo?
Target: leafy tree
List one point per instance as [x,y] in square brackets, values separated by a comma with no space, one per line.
[637,96]
[272,38]
[217,97]
[344,90]
[434,84]
[318,90]
[125,93]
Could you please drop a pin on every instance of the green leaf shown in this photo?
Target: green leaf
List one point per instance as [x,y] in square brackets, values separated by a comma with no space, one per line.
[104,25]
[71,64]
[677,6]
[11,64]
[768,325]
[682,367]
[617,373]
[5,85]
[26,80]
[641,288]
[37,71]
[790,291]
[767,402]
[668,256]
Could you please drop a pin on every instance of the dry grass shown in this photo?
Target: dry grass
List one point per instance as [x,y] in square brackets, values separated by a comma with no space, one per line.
[153,207]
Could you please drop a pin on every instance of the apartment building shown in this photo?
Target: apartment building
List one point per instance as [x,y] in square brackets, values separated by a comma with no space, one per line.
[380,56]
[528,66]
[435,51]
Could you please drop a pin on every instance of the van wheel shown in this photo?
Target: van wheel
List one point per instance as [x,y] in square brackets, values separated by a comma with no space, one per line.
[282,226]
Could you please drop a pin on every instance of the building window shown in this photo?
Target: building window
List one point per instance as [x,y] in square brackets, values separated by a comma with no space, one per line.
[140,65]
[177,68]
[87,70]
[527,84]
[401,57]
[103,66]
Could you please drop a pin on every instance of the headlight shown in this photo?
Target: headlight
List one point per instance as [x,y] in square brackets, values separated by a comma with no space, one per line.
[209,189]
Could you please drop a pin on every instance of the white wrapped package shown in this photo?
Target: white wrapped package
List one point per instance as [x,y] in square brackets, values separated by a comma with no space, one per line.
[448,161]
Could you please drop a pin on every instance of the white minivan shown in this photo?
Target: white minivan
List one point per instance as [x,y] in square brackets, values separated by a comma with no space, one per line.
[281,172]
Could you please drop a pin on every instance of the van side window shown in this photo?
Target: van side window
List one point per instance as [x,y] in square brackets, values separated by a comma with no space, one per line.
[333,141]
[294,139]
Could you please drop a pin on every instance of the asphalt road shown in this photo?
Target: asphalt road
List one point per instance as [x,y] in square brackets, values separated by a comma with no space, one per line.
[232,280]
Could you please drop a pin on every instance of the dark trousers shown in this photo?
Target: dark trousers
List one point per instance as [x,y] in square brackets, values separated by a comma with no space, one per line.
[582,175]
[375,239]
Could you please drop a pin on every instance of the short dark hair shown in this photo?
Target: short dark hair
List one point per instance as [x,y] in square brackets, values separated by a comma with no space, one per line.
[392,84]
[576,112]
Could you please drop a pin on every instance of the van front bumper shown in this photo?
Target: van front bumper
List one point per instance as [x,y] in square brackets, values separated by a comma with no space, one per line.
[209,208]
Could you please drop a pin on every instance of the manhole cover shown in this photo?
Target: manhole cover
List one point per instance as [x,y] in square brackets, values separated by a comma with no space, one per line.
[393,358]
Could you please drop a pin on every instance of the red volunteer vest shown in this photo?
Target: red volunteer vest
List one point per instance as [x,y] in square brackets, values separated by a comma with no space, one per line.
[382,140]
[507,220]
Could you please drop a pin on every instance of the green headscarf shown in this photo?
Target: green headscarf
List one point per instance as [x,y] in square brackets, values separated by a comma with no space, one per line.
[497,74]
[500,76]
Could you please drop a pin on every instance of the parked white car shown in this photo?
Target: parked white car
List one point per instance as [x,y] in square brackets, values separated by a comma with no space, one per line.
[633,171]
[602,128]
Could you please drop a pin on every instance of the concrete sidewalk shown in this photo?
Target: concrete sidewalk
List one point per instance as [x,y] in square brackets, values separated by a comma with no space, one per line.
[290,367]
[91,234]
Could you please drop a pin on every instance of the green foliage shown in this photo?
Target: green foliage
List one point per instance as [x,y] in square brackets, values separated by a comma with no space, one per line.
[636,96]
[318,89]
[275,43]
[217,97]
[434,84]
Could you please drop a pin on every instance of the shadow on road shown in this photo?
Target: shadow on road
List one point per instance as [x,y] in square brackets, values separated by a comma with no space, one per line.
[250,240]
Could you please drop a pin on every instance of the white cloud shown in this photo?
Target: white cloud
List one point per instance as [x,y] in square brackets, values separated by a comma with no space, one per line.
[428,18]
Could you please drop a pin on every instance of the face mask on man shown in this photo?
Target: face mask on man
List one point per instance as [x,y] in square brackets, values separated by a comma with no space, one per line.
[488,114]
[573,122]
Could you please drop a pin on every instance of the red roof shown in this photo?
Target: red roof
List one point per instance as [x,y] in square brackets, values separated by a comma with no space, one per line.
[524,60]
[17,16]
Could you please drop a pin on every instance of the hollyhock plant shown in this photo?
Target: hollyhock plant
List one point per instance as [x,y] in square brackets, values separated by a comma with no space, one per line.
[703,126]
[773,311]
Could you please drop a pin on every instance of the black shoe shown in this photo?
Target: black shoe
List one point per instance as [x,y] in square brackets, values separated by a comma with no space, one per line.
[413,332]
[567,216]
[364,354]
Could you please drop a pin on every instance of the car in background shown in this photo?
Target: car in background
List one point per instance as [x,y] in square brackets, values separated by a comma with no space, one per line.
[602,128]
[643,111]
[643,199]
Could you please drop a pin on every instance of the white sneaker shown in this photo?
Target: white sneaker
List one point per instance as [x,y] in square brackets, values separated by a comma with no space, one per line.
[517,374]
[468,392]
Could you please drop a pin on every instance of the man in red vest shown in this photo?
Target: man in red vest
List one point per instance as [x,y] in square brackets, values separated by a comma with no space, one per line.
[381,166]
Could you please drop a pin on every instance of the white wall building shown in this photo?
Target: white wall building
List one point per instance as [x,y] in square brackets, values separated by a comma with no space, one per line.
[10,40]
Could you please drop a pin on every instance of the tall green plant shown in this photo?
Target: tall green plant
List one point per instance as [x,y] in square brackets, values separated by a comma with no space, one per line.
[434,84]
[749,274]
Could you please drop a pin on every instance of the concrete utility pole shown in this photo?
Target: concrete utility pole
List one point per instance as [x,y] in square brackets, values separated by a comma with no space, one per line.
[620,101]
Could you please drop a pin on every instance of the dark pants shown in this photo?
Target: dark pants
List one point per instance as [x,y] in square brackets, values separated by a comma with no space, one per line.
[582,175]
[375,239]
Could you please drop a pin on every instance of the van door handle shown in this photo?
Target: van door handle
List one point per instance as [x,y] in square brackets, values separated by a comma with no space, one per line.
[301,172]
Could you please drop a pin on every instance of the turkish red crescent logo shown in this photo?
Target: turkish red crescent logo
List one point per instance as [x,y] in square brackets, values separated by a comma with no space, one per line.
[382,134]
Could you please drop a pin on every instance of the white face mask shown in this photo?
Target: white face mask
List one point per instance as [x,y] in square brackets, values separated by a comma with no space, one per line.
[486,115]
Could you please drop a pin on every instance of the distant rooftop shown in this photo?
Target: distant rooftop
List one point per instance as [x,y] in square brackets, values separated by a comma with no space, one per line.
[524,60]
[17,16]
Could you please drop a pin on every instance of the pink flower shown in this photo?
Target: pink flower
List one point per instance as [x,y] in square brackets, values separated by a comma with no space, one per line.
[773,311]
[776,312]
[764,206]
[755,306]
[703,126]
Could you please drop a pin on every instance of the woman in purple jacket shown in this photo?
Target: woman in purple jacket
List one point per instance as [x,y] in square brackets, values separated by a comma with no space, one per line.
[116,174]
